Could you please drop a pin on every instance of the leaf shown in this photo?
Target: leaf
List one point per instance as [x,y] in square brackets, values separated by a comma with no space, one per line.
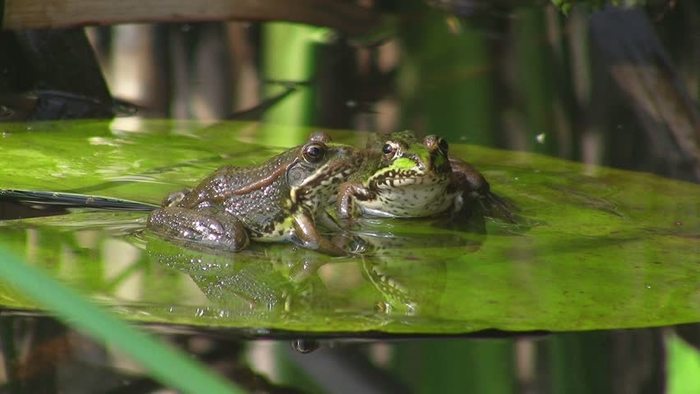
[596,248]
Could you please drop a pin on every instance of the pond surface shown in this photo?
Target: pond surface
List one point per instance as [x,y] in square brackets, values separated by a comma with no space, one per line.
[594,248]
[595,289]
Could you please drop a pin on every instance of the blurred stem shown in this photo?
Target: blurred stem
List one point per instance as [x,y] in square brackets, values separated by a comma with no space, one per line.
[289,55]
[164,363]
[474,366]
[683,366]
[9,353]
[446,78]
[534,77]
[580,363]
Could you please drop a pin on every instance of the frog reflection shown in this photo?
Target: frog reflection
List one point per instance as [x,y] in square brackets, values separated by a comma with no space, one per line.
[273,285]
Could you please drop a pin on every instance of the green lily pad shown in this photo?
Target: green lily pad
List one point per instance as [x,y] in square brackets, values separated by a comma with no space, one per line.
[596,248]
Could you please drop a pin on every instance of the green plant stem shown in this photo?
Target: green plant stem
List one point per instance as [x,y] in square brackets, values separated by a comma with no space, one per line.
[683,366]
[163,362]
[289,53]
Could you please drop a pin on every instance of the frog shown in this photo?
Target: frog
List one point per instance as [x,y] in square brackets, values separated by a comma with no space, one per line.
[280,200]
[412,178]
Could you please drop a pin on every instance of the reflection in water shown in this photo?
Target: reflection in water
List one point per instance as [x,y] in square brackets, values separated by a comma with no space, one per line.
[274,285]
[305,345]
[421,275]
[593,264]
[598,252]
[42,355]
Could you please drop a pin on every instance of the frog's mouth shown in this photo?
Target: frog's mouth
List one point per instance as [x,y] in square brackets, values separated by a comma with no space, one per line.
[410,169]
[403,178]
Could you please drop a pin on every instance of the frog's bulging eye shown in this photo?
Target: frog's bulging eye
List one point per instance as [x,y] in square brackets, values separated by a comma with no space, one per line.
[443,146]
[389,149]
[313,153]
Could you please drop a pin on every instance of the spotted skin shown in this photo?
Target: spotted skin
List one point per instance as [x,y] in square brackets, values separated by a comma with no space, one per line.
[278,200]
[410,196]
[409,178]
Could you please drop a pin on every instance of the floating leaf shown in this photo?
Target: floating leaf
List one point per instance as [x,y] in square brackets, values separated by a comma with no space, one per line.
[596,248]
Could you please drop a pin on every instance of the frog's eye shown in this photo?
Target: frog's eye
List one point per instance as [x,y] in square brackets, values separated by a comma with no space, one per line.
[443,146]
[313,153]
[389,149]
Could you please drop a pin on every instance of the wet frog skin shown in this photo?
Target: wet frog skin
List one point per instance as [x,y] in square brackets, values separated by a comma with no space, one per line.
[278,200]
[407,178]
[411,179]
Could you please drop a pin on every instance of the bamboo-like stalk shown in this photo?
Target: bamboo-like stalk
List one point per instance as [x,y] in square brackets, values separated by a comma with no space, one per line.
[41,14]
[289,55]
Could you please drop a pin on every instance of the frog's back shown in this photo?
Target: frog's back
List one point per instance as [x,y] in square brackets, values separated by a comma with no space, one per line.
[258,196]
[231,180]
[239,180]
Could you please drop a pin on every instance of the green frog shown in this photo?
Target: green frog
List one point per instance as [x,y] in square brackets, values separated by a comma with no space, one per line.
[279,200]
[410,178]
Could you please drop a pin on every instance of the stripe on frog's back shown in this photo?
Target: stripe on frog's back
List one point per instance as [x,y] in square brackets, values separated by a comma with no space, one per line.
[279,170]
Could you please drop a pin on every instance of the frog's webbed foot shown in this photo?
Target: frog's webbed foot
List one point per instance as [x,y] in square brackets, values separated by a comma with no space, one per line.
[473,207]
[351,243]
[199,228]
[477,191]
[497,207]
[468,218]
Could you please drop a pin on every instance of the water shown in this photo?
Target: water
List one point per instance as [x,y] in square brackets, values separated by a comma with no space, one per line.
[587,297]
[593,250]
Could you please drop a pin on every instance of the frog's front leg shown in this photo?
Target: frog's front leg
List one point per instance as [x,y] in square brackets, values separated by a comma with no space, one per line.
[207,227]
[469,179]
[306,235]
[325,220]
[348,194]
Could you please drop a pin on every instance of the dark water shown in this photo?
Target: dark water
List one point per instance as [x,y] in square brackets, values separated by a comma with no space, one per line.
[44,356]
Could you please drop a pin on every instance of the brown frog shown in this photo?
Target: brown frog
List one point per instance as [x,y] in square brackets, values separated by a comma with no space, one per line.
[279,200]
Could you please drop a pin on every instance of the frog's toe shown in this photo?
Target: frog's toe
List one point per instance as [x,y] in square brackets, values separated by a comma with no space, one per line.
[357,245]
[500,208]
[173,199]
